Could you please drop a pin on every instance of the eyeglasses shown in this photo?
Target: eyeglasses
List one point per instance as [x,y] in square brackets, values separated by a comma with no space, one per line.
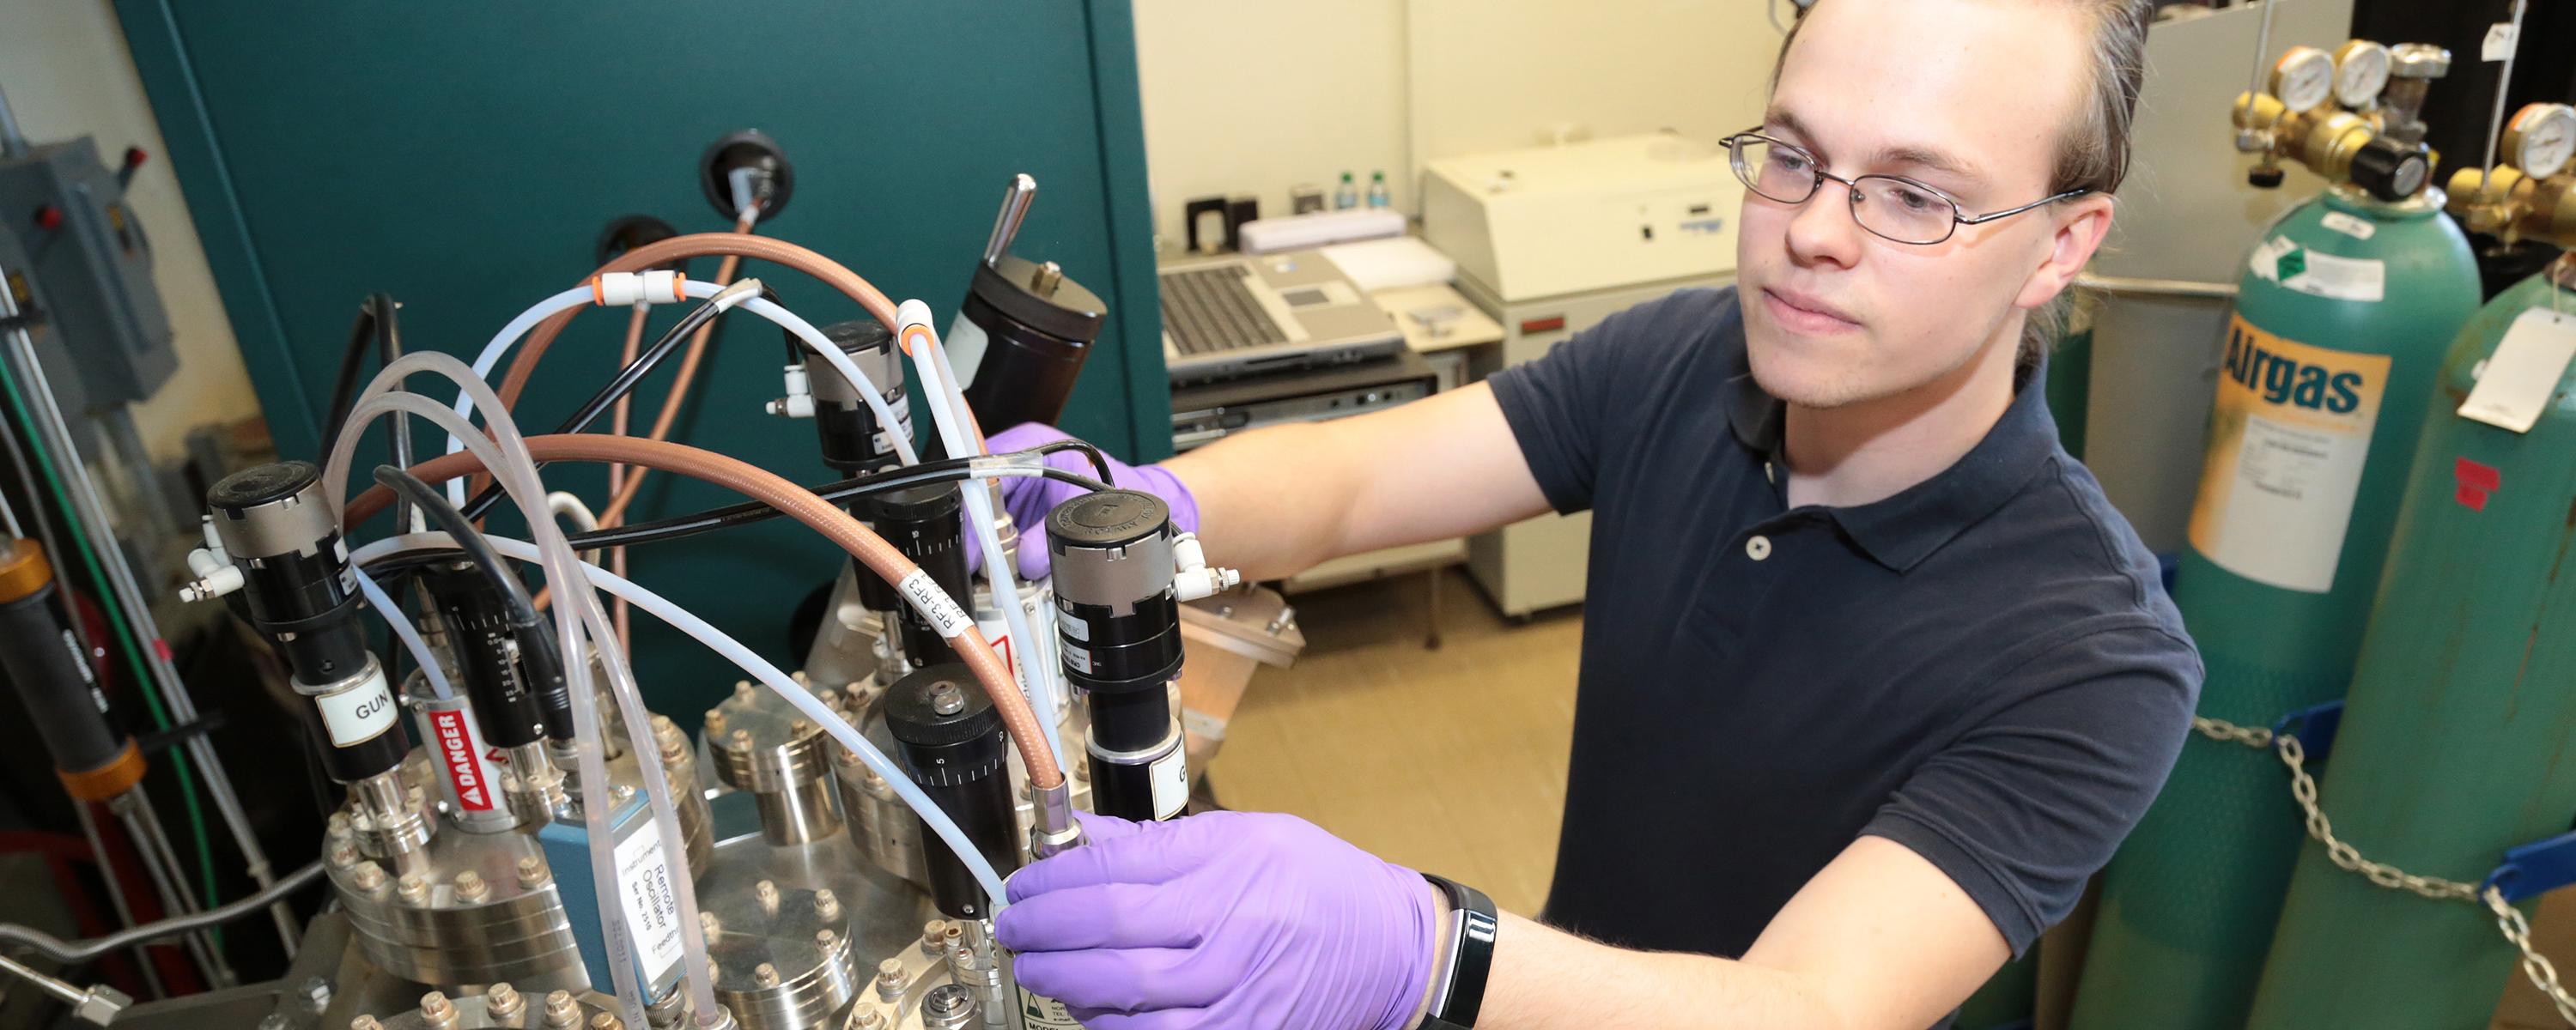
[1891,208]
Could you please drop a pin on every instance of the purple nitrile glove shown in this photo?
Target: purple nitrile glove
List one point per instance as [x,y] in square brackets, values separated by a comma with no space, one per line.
[1030,500]
[1226,919]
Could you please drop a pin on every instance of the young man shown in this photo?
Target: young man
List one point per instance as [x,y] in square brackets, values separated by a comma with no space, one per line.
[1872,678]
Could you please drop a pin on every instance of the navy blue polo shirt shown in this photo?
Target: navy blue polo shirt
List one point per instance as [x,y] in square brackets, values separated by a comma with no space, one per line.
[1982,668]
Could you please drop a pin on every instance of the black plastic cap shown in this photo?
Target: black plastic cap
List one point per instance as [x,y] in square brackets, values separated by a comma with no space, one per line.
[915,504]
[854,336]
[914,720]
[2389,170]
[1070,311]
[262,484]
[1106,518]
[2266,178]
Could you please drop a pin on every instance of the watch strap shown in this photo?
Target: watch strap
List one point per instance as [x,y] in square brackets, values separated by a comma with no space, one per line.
[1458,987]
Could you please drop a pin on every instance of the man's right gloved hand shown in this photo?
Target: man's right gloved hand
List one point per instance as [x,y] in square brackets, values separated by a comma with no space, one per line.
[1029,500]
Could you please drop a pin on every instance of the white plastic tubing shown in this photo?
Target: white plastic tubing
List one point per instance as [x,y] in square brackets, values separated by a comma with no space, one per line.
[580,623]
[406,632]
[759,668]
[805,332]
[948,410]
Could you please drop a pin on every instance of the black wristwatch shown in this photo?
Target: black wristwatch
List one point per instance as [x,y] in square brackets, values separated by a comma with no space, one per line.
[1458,987]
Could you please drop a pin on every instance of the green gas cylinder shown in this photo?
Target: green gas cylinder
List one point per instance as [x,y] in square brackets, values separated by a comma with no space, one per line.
[2344,310]
[2459,736]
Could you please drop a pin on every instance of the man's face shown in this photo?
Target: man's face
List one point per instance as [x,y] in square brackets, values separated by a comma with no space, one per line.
[1966,96]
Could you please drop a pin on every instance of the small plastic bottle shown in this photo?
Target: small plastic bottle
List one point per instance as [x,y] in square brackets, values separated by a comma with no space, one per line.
[1377,196]
[1347,195]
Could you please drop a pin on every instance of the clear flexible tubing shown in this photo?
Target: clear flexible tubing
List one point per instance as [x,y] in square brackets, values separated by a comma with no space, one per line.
[948,410]
[491,355]
[505,453]
[406,632]
[759,668]
[804,331]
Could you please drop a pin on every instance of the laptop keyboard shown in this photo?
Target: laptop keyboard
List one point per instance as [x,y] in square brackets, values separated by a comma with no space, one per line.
[1206,310]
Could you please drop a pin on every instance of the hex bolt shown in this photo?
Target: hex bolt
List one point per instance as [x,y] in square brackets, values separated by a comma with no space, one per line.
[844,756]
[532,871]
[365,1022]
[470,886]
[339,824]
[343,854]
[831,698]
[414,888]
[715,723]
[606,1021]
[503,1001]
[890,980]
[932,933]
[742,688]
[867,1019]
[765,975]
[767,892]
[826,939]
[800,727]
[709,925]
[827,905]
[562,1012]
[621,793]
[740,738]
[316,991]
[946,699]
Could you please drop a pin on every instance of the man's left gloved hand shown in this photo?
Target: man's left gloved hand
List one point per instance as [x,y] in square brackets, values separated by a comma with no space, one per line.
[1227,919]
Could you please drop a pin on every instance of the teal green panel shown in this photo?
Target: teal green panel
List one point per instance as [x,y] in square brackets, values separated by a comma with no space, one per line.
[464,157]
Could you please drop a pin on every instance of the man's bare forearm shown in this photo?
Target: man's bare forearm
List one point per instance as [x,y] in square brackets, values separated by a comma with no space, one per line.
[1546,979]
[1275,501]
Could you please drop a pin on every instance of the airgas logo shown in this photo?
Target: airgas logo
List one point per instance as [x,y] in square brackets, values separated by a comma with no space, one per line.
[456,751]
[2284,380]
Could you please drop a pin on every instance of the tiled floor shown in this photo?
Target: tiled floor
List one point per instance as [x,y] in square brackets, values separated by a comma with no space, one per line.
[1454,760]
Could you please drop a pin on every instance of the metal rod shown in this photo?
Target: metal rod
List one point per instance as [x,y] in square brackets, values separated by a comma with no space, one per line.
[116,895]
[2154,287]
[2262,46]
[2504,87]
[9,518]
[165,680]
[1015,208]
[167,879]
[62,991]
[12,142]
[84,950]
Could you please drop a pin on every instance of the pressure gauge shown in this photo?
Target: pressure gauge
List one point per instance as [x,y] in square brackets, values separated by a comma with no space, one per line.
[2304,78]
[2541,138]
[2361,71]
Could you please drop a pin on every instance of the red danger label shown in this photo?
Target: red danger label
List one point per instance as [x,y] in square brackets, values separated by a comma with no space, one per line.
[456,751]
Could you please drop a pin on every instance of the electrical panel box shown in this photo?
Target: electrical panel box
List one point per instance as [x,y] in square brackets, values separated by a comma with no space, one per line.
[94,265]
[1604,214]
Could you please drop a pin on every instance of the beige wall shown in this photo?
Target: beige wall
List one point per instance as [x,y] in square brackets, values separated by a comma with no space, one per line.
[1240,97]
[65,68]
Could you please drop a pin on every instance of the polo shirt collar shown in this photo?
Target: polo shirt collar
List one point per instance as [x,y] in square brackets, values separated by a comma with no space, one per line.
[1900,531]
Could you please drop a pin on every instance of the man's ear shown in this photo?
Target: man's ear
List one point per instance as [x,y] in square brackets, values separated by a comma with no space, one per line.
[2081,225]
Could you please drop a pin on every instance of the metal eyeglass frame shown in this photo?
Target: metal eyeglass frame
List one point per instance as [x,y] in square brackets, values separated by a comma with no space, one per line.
[1816,181]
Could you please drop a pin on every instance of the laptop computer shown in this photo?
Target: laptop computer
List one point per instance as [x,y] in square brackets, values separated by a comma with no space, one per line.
[1234,316]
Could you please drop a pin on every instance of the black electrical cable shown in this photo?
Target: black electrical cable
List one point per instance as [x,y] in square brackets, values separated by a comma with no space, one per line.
[32,511]
[344,386]
[742,514]
[537,648]
[388,350]
[619,386]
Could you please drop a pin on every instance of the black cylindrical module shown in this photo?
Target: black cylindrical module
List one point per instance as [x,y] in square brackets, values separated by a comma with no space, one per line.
[302,596]
[487,654]
[299,591]
[922,522]
[2390,170]
[1038,327]
[950,740]
[1118,619]
[44,663]
[850,430]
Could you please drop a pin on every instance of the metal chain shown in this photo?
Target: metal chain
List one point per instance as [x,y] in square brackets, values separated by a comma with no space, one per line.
[2303,788]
